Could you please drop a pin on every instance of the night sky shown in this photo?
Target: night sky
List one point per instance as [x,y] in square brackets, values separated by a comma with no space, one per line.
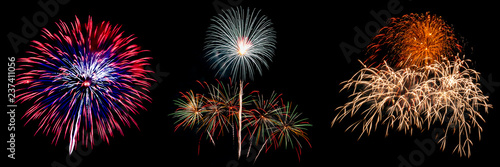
[307,68]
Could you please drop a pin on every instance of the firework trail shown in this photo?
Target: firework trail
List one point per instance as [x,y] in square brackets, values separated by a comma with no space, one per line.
[413,40]
[419,86]
[238,43]
[265,120]
[83,78]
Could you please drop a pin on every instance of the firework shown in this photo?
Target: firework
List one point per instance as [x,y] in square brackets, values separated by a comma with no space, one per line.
[212,114]
[82,79]
[267,121]
[190,110]
[264,118]
[413,40]
[276,123]
[444,93]
[223,106]
[239,42]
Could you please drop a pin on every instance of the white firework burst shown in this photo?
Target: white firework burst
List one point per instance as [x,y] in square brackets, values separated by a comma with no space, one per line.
[443,93]
[239,42]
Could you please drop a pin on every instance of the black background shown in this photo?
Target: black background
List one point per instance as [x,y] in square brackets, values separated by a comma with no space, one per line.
[307,68]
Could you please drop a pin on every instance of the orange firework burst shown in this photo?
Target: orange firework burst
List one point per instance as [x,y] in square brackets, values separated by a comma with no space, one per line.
[413,39]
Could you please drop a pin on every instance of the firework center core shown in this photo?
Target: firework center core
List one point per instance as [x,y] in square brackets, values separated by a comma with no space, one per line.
[243,45]
[86,83]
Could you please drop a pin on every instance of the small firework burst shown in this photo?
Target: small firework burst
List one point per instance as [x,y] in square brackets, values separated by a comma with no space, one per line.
[83,78]
[413,40]
[445,93]
[239,42]
[263,119]
[222,106]
[190,110]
